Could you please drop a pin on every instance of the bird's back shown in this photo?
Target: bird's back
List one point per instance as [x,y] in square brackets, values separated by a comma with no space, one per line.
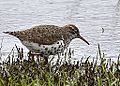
[43,34]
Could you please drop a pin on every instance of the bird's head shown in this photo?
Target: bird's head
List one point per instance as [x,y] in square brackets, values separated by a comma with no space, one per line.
[74,32]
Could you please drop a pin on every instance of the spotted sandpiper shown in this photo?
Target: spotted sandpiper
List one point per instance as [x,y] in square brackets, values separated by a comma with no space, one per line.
[48,39]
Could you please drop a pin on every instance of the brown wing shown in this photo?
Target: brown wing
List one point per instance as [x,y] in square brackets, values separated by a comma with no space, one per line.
[45,34]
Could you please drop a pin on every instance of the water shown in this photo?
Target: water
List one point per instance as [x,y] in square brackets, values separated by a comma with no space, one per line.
[89,15]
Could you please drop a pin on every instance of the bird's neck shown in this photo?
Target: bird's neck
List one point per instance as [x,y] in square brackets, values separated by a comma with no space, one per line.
[67,40]
[66,36]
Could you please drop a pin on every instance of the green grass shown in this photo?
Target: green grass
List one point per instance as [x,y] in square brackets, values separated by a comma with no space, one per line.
[28,72]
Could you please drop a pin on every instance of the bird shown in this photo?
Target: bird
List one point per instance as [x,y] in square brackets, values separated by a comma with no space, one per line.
[48,39]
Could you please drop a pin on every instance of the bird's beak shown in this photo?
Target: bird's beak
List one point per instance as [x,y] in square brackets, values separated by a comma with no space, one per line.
[83,39]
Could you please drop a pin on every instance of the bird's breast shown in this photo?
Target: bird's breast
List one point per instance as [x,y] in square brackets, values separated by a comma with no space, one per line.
[57,47]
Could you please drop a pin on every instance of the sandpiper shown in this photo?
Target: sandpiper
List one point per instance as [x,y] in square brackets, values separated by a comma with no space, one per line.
[48,39]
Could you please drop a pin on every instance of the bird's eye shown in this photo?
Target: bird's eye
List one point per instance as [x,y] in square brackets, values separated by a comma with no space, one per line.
[73,32]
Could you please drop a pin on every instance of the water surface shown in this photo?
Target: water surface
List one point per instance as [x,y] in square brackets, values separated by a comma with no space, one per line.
[89,15]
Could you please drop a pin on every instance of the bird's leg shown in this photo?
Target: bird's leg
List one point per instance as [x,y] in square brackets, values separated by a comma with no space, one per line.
[38,59]
[46,59]
[42,54]
[31,56]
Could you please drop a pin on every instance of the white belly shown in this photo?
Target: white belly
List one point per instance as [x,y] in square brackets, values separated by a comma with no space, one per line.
[57,47]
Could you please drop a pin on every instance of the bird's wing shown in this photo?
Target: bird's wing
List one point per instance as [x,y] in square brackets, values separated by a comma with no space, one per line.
[39,34]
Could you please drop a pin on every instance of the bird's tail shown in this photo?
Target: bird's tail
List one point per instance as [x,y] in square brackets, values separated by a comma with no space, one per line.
[10,33]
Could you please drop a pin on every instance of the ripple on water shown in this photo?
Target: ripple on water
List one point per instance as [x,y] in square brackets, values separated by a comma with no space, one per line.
[89,15]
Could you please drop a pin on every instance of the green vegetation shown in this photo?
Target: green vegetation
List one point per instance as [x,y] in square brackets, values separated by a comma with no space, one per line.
[31,72]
